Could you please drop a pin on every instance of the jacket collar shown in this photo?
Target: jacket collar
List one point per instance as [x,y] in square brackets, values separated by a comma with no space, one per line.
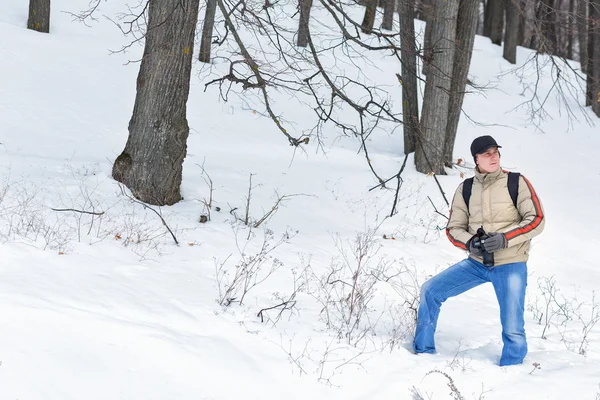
[488,177]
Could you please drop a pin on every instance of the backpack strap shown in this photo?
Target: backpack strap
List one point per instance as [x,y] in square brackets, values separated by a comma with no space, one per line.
[513,186]
[466,190]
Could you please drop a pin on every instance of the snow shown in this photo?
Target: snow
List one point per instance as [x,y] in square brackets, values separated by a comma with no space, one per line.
[110,308]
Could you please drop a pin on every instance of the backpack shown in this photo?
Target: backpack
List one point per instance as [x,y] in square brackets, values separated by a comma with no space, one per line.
[513,188]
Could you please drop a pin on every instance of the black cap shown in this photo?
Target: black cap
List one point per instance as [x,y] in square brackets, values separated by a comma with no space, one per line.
[481,144]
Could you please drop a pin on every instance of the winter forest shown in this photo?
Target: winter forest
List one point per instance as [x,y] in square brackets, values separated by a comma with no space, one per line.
[243,198]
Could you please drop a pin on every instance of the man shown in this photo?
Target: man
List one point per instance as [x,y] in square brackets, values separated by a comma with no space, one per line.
[510,228]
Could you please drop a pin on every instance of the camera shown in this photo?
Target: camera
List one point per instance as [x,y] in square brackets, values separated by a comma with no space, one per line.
[478,241]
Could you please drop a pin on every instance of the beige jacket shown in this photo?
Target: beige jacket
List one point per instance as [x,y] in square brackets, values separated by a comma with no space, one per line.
[490,206]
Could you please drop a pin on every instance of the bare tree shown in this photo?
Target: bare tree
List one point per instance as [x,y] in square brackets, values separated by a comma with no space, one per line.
[589,90]
[207,30]
[429,155]
[465,38]
[389,6]
[427,46]
[497,20]
[594,54]
[39,16]
[511,33]
[369,18]
[487,18]
[546,17]
[571,16]
[151,163]
[303,31]
[582,31]
[408,80]
[480,18]
[526,13]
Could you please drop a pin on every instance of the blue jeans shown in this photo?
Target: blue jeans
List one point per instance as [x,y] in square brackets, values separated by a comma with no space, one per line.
[509,282]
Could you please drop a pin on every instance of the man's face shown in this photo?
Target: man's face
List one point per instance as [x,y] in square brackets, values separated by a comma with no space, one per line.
[489,161]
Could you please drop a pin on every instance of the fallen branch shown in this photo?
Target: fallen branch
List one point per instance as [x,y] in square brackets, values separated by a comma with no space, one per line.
[79,211]
[287,305]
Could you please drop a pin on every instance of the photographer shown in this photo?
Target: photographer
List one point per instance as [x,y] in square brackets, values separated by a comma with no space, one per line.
[493,216]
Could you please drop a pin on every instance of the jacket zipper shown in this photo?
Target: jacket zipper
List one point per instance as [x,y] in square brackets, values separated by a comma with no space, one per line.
[482,202]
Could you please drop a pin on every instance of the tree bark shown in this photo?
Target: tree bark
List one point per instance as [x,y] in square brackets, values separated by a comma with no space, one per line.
[429,155]
[590,50]
[410,103]
[427,46]
[369,19]
[511,33]
[468,14]
[528,8]
[207,30]
[39,16]
[547,19]
[151,163]
[594,66]
[582,31]
[522,21]
[303,31]
[497,16]
[570,30]
[420,15]
[487,18]
[389,6]
[480,17]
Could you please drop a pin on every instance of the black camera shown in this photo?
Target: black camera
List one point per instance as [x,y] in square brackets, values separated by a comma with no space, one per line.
[478,241]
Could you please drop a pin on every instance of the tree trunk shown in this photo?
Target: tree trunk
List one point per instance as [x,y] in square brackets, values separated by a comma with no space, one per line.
[556,7]
[582,30]
[39,16]
[590,50]
[547,18]
[570,30]
[528,8]
[522,21]
[207,30]
[511,32]
[497,16]
[388,14]
[369,19]
[480,17]
[427,47]
[594,68]
[410,103]
[420,15]
[429,155]
[151,163]
[303,32]
[487,18]
[468,14]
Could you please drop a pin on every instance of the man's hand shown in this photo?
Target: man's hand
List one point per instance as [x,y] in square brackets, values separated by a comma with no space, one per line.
[495,242]
[473,250]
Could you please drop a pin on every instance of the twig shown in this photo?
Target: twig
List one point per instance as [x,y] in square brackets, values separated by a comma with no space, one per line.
[79,211]
[148,207]
[436,210]
[400,180]
[395,176]
[286,305]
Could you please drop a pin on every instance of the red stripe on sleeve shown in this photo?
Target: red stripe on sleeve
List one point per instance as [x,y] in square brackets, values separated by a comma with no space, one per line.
[537,220]
[452,240]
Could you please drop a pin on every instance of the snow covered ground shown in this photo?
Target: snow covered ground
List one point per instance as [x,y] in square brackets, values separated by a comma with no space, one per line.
[108,307]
